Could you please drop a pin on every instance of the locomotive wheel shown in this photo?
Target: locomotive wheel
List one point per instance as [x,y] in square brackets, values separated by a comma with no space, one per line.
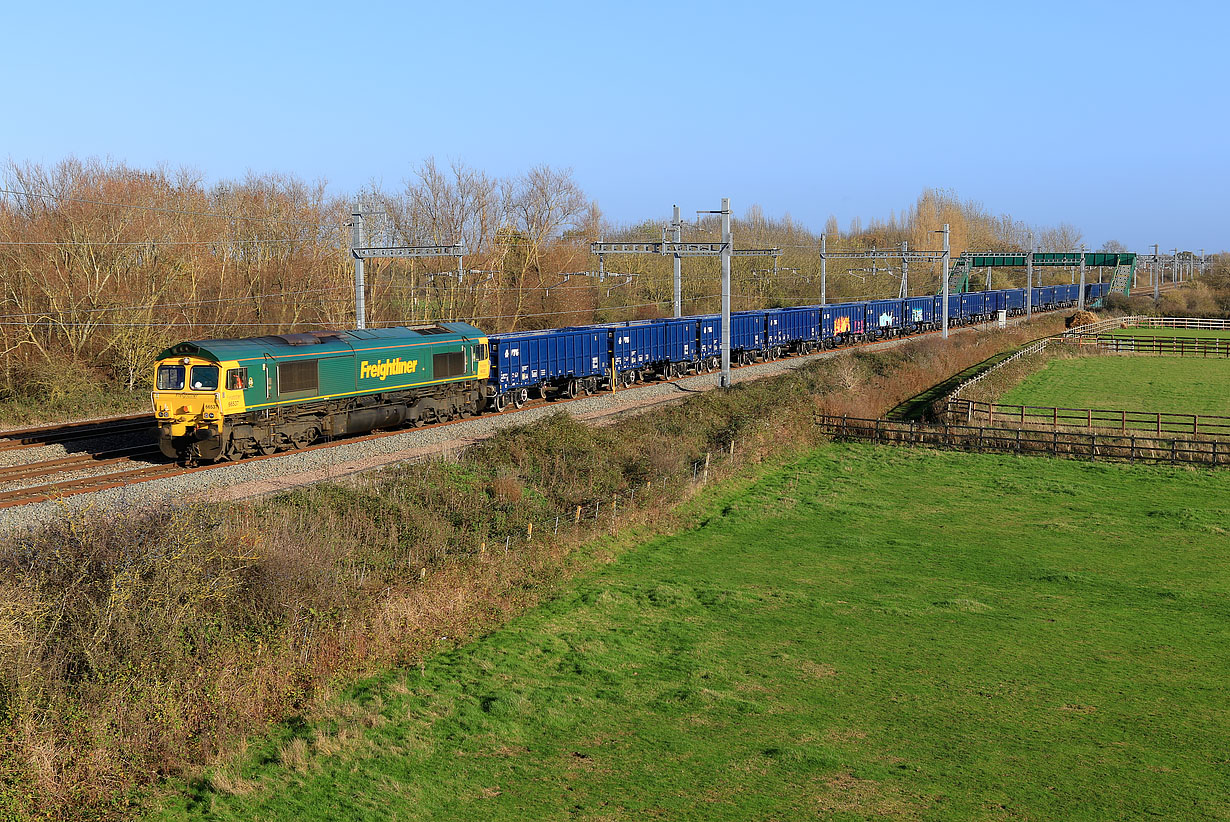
[232,452]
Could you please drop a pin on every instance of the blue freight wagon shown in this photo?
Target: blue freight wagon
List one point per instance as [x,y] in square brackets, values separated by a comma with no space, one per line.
[973,305]
[992,302]
[883,318]
[954,309]
[746,337]
[841,323]
[918,313]
[1044,297]
[568,360]
[800,328]
[1012,300]
[682,344]
[633,348]
[663,347]
[1067,294]
[791,329]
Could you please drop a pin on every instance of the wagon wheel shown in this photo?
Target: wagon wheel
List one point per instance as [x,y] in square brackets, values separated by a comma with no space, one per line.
[542,390]
[520,397]
[588,386]
[572,388]
[501,402]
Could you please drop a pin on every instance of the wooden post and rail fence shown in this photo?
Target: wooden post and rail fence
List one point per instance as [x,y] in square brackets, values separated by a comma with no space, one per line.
[1056,442]
[1158,346]
[1123,421]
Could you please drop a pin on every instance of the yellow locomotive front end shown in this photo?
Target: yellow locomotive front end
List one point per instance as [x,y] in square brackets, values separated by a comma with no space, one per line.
[190,407]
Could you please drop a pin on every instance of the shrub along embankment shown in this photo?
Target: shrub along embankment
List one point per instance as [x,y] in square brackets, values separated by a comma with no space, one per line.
[142,645]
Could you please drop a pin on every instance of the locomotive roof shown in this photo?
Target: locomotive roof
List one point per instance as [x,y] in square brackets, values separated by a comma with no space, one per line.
[321,342]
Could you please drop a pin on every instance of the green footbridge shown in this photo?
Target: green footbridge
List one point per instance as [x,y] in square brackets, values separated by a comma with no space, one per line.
[1124,266]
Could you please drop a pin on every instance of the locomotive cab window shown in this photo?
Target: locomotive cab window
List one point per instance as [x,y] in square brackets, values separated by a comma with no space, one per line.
[481,352]
[171,377]
[452,364]
[302,378]
[204,378]
[236,379]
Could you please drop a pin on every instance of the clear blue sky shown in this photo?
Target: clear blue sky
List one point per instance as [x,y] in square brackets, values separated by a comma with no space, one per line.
[1109,115]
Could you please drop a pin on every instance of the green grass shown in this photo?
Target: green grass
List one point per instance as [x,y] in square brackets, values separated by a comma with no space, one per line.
[1183,385]
[1164,333]
[865,633]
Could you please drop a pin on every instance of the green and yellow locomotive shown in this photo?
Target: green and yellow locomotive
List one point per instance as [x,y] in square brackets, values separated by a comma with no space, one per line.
[226,399]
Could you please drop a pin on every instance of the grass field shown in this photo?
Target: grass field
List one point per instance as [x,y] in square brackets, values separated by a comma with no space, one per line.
[865,633]
[1185,385]
[1170,332]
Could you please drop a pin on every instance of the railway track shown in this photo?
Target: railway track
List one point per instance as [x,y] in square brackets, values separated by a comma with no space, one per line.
[71,432]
